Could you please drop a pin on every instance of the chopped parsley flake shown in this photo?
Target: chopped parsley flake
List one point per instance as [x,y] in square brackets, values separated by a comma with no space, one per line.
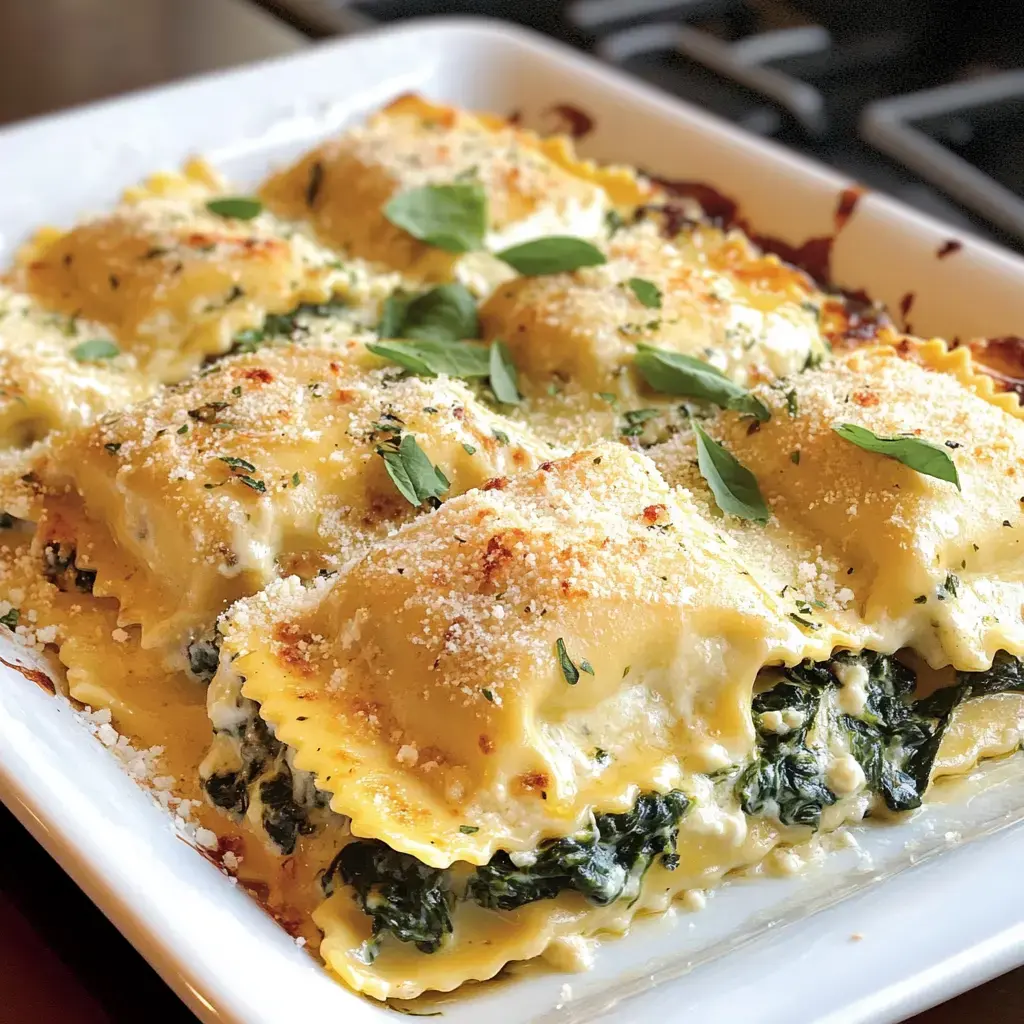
[95,350]
[569,670]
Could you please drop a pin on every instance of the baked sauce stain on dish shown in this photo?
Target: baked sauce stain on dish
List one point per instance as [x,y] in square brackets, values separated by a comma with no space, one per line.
[813,256]
[571,120]
[1002,359]
[33,675]
[906,305]
[948,248]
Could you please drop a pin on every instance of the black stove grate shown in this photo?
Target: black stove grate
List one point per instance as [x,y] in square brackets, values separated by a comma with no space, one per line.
[919,100]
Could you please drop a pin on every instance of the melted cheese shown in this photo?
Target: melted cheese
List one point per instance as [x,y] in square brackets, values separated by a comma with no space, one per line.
[406,664]
[175,282]
[424,689]
[746,314]
[715,838]
[894,558]
[534,187]
[43,386]
[266,464]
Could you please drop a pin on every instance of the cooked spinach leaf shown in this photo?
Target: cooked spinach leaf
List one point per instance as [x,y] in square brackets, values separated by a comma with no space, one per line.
[204,657]
[604,863]
[404,897]
[787,778]
[894,739]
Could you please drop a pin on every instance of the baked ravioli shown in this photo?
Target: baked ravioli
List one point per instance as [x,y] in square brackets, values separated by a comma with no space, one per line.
[58,372]
[746,314]
[179,269]
[473,547]
[266,464]
[533,187]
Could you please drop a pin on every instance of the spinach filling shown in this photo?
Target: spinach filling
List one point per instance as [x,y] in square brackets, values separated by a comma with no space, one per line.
[60,569]
[787,778]
[259,763]
[894,739]
[285,326]
[203,657]
[604,862]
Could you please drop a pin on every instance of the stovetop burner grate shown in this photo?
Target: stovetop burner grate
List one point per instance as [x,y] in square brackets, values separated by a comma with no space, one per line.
[918,100]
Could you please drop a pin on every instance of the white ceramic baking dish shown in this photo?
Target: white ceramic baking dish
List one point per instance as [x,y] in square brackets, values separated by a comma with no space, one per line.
[922,910]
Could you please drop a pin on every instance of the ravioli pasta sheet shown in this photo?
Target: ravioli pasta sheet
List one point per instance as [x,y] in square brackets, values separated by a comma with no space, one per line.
[475,547]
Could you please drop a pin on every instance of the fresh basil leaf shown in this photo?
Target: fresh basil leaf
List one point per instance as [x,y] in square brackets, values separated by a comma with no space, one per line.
[504,381]
[450,217]
[445,313]
[569,670]
[94,350]
[733,485]
[647,292]
[921,456]
[416,477]
[673,373]
[236,207]
[553,255]
[428,358]
[392,315]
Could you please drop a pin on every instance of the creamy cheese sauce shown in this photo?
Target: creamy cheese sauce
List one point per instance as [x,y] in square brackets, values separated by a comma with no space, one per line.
[539,633]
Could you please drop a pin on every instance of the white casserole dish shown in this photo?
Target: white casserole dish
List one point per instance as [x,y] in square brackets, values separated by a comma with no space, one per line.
[763,951]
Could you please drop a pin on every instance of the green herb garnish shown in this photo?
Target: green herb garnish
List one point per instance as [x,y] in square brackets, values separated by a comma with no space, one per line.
[235,207]
[416,477]
[428,358]
[10,618]
[468,830]
[450,217]
[647,292]
[914,453]
[733,485]
[635,420]
[556,254]
[673,373]
[503,379]
[445,313]
[234,463]
[95,350]
[569,670]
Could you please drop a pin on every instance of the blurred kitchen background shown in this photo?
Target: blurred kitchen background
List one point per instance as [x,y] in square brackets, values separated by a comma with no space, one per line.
[923,99]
